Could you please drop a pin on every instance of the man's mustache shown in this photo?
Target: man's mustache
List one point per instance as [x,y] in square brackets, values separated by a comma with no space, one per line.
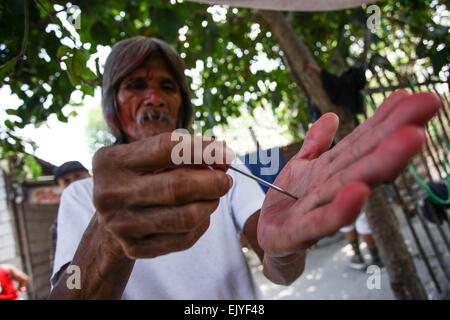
[150,115]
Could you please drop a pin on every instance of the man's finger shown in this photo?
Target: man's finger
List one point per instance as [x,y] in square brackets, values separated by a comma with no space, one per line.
[152,247]
[319,137]
[179,186]
[390,157]
[382,165]
[177,149]
[169,188]
[321,221]
[140,222]
[413,109]
[384,111]
[342,211]
[389,104]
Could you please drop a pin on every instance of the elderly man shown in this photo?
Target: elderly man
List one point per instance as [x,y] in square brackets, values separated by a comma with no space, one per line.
[155,230]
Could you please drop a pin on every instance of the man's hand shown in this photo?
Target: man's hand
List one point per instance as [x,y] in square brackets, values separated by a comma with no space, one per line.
[332,186]
[149,207]
[17,275]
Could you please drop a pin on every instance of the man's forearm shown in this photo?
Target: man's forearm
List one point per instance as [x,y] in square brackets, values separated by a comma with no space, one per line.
[103,273]
[284,270]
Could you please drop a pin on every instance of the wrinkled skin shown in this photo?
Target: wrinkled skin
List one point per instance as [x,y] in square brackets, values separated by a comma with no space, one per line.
[332,186]
[149,88]
[149,207]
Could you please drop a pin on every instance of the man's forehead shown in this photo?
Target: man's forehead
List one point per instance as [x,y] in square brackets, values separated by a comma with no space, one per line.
[156,66]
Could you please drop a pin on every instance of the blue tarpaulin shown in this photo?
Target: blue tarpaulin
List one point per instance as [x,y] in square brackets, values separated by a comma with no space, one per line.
[265,164]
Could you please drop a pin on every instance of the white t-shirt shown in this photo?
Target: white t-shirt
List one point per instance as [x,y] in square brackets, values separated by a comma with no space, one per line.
[214,268]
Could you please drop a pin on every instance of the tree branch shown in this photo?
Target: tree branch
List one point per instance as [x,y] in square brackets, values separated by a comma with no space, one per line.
[25,31]
[25,34]
[63,30]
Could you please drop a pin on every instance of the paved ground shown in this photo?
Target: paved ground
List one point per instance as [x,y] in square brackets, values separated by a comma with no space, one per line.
[328,276]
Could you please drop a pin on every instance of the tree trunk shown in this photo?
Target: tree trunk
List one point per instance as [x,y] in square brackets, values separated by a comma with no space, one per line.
[309,82]
[405,282]
[403,276]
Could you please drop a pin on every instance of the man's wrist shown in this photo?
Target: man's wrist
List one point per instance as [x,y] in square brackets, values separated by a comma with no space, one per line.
[284,260]
[109,251]
[103,267]
[284,270]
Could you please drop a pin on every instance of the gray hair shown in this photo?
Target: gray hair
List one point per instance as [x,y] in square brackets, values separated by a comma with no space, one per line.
[125,57]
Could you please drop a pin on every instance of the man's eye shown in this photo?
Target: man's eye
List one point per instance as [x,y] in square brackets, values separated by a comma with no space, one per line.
[169,87]
[137,85]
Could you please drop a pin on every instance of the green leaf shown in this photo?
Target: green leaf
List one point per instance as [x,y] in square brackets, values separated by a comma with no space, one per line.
[87,74]
[421,51]
[77,69]
[97,65]
[33,166]
[73,113]
[7,69]
[9,125]
[276,98]
[100,33]
[210,121]
[61,117]
[207,99]
[87,90]
[63,51]
[167,22]
[439,31]
[439,60]
[11,112]
[211,34]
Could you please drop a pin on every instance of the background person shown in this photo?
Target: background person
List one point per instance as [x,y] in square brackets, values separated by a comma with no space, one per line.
[9,274]
[69,172]
[65,174]
[352,232]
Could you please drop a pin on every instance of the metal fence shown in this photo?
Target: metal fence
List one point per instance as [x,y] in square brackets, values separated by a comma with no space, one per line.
[430,243]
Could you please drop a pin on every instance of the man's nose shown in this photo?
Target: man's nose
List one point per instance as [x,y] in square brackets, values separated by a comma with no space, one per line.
[153,98]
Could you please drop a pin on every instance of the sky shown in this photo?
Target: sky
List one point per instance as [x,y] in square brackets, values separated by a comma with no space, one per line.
[57,142]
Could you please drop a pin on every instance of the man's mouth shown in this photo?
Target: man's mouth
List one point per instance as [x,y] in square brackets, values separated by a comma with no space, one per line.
[152,115]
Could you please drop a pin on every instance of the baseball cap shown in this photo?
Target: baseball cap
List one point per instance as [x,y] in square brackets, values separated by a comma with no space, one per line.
[67,167]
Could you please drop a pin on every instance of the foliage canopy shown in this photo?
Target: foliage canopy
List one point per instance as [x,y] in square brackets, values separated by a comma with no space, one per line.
[43,61]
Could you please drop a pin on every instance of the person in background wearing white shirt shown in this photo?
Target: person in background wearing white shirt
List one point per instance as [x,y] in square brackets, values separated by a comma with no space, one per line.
[64,175]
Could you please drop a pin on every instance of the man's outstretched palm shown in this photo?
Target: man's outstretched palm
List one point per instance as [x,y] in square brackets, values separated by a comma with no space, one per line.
[333,185]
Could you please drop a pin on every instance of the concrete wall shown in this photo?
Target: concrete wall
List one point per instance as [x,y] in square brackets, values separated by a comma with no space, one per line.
[39,218]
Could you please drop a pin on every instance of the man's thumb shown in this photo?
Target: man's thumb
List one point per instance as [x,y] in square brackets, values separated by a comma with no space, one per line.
[319,137]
